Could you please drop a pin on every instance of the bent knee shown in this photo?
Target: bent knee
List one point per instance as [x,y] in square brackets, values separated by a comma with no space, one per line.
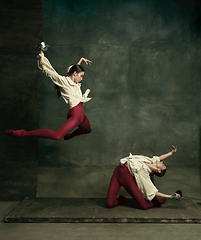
[111,204]
[57,137]
[144,206]
[87,130]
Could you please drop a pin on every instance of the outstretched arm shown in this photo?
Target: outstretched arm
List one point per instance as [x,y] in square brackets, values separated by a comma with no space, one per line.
[88,62]
[158,194]
[164,156]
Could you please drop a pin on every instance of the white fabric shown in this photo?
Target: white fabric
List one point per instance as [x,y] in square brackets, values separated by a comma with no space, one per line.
[70,91]
[137,167]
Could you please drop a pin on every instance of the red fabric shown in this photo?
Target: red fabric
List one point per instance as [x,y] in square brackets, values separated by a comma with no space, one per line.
[122,177]
[76,118]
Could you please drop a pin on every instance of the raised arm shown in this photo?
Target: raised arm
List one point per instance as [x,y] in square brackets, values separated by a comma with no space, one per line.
[88,62]
[45,66]
[164,156]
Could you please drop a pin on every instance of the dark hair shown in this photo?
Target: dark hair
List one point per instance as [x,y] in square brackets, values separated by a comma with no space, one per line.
[71,70]
[157,174]
[74,68]
[161,174]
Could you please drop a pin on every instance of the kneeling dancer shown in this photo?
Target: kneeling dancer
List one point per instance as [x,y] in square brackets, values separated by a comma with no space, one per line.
[133,173]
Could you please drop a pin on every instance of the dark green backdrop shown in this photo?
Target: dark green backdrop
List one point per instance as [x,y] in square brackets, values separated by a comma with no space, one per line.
[145,89]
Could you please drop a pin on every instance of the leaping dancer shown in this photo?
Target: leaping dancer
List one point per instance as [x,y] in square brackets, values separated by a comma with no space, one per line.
[68,87]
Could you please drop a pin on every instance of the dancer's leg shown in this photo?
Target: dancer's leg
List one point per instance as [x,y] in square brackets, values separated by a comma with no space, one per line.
[68,126]
[75,117]
[83,128]
[113,190]
[127,181]
[158,201]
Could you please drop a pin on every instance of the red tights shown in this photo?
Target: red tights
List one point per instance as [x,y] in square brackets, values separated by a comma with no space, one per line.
[75,118]
[122,177]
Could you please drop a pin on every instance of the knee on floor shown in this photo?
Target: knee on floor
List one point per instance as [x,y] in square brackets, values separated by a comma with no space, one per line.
[111,204]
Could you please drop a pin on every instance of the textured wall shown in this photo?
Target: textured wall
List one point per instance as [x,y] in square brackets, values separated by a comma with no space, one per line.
[145,88]
[20,31]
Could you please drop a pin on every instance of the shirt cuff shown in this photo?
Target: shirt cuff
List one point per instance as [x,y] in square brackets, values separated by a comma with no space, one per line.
[85,95]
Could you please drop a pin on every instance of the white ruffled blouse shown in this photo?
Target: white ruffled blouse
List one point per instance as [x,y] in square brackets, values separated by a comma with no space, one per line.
[70,91]
[137,167]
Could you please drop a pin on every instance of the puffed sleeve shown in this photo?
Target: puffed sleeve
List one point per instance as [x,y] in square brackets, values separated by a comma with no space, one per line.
[155,159]
[45,66]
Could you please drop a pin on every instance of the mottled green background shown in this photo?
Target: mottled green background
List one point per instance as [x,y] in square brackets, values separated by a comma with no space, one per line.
[145,89]
[20,32]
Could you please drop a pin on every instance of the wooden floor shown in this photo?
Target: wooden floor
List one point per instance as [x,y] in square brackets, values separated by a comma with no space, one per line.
[89,210]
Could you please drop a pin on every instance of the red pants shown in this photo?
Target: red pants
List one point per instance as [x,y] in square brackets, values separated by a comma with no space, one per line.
[76,118]
[122,177]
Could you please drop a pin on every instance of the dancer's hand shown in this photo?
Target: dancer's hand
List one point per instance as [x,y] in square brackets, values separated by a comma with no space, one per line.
[176,196]
[174,149]
[86,61]
[166,155]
